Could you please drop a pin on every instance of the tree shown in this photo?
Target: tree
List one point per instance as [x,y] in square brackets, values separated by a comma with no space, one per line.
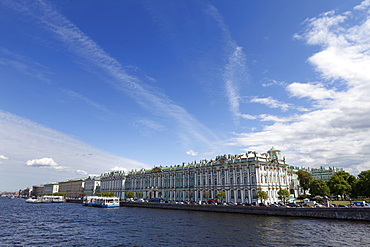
[262,195]
[105,194]
[139,194]
[362,187]
[221,195]
[283,194]
[130,194]
[318,187]
[339,184]
[206,194]
[82,194]
[305,179]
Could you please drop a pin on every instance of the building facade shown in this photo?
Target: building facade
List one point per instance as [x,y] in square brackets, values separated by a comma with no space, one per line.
[73,188]
[37,190]
[92,185]
[324,173]
[51,188]
[239,176]
[113,182]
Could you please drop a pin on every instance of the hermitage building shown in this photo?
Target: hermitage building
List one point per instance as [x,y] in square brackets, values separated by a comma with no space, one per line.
[239,176]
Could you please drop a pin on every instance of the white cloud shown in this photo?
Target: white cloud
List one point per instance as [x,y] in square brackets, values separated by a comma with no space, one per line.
[26,140]
[192,153]
[363,6]
[44,162]
[2,157]
[117,168]
[49,163]
[270,102]
[336,131]
[313,91]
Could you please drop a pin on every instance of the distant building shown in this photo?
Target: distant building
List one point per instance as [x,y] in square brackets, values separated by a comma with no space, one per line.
[37,190]
[92,185]
[73,188]
[239,176]
[324,173]
[113,182]
[25,193]
[51,188]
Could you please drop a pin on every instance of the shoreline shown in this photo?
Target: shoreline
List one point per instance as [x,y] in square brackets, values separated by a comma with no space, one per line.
[359,214]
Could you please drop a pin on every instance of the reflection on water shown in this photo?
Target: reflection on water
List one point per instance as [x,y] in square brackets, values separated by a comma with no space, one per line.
[71,224]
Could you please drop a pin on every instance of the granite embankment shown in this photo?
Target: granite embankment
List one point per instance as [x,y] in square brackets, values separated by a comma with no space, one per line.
[328,213]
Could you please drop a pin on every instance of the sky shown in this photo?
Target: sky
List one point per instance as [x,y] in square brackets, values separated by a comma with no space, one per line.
[88,87]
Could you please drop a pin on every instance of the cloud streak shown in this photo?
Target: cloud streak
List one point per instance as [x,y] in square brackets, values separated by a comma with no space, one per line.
[235,72]
[86,49]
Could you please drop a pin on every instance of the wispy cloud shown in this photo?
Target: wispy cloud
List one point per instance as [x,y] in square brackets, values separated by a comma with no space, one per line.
[336,130]
[271,102]
[24,65]
[235,74]
[89,52]
[192,153]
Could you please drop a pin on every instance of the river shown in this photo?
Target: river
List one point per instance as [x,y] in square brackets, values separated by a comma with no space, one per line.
[71,224]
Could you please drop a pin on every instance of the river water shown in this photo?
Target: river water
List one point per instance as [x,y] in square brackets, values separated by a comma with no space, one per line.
[71,224]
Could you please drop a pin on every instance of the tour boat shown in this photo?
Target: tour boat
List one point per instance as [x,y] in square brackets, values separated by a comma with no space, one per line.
[52,199]
[99,201]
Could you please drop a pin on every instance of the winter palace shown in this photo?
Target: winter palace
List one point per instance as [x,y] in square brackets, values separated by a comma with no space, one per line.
[239,176]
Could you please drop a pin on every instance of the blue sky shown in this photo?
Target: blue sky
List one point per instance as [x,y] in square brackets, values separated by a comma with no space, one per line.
[93,86]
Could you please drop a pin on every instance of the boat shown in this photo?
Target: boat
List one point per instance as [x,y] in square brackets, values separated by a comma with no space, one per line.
[52,199]
[46,199]
[100,201]
[33,200]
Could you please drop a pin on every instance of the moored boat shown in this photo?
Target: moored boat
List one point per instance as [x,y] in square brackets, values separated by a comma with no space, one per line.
[99,201]
[52,199]
[33,200]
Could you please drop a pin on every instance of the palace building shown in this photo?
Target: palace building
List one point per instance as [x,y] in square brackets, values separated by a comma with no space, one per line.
[239,176]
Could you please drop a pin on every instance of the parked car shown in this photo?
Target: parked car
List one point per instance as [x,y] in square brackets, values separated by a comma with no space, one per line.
[293,205]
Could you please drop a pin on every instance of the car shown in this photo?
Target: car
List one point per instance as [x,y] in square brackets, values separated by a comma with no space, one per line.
[342,206]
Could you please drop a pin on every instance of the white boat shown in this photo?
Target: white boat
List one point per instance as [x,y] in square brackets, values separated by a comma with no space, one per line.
[46,199]
[32,200]
[52,199]
[100,201]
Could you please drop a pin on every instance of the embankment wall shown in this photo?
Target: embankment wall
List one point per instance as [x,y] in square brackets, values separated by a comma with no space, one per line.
[362,214]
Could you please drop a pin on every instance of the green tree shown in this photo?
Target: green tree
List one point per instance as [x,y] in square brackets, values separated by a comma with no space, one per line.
[305,179]
[139,194]
[362,185]
[82,194]
[318,187]
[283,195]
[130,194]
[105,194]
[262,195]
[339,184]
[221,195]
[206,194]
